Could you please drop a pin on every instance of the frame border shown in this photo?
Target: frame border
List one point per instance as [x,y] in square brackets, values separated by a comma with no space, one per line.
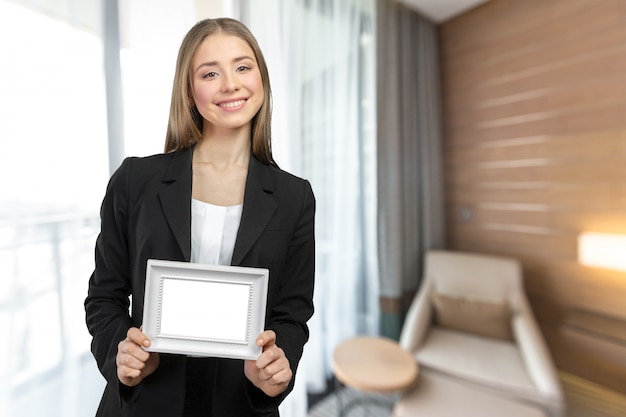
[159,270]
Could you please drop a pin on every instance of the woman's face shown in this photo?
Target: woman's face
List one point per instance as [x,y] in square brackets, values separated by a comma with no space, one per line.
[226,82]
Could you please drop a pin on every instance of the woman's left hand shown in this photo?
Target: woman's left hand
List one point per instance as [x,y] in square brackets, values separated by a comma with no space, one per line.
[270,372]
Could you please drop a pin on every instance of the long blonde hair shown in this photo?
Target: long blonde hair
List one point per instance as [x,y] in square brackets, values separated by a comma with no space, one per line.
[184,126]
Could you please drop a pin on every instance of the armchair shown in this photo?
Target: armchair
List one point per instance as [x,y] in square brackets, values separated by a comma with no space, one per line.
[471,320]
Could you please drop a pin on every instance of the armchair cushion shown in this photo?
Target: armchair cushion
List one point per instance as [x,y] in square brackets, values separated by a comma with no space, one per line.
[485,318]
[494,364]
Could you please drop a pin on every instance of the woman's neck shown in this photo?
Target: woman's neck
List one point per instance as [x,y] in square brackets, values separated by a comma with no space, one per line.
[224,149]
[220,169]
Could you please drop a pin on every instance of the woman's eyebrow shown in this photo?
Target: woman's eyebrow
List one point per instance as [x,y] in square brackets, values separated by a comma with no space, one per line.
[215,63]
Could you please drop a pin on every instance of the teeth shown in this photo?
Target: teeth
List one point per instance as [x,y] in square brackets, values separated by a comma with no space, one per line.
[233,104]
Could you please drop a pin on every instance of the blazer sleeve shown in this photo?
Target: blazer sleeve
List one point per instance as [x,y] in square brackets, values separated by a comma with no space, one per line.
[107,303]
[294,303]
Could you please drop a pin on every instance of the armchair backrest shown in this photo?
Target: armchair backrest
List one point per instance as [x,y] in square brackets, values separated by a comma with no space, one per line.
[474,275]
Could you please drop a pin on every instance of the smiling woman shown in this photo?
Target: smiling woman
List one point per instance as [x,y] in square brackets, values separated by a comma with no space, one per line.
[218,157]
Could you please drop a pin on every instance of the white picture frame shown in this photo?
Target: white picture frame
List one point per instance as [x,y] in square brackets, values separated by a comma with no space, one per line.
[179,296]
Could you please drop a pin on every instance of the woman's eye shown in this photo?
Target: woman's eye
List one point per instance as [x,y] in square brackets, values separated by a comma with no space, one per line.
[242,68]
[210,74]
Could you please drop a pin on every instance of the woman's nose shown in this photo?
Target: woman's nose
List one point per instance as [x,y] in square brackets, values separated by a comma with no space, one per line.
[230,82]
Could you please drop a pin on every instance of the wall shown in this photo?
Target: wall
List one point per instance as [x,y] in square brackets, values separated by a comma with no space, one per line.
[534,95]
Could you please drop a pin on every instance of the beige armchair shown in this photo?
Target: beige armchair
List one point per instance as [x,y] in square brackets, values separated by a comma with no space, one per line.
[471,320]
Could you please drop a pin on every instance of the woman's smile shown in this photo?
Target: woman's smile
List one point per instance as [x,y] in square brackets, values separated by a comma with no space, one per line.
[232,104]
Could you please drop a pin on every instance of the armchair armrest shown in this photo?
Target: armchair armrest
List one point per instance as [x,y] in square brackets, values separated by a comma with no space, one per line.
[418,319]
[536,355]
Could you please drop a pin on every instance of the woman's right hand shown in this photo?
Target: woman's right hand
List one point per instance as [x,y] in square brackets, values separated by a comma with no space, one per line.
[133,363]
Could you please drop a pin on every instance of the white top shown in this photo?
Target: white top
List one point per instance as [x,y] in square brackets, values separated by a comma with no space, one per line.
[213,232]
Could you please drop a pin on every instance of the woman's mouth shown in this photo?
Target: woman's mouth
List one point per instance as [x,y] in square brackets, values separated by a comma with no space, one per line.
[231,105]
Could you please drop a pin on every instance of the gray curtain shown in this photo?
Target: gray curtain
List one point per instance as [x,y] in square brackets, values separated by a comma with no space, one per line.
[410,184]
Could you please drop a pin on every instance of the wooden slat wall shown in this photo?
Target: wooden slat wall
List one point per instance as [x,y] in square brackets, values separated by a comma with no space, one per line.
[534,105]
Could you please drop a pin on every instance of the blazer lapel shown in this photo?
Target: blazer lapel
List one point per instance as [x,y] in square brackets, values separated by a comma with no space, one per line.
[175,195]
[258,207]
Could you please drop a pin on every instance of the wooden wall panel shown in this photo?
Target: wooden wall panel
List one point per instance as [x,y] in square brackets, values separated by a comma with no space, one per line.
[534,105]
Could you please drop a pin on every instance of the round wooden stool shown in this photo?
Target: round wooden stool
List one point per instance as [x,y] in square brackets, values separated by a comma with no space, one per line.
[373,365]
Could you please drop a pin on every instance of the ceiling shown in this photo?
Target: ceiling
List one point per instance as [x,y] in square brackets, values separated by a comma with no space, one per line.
[441,10]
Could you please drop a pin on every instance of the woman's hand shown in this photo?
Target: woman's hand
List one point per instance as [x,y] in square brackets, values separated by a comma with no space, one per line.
[133,363]
[270,372]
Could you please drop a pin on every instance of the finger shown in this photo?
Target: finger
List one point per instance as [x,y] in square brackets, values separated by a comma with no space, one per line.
[269,355]
[130,348]
[281,378]
[125,373]
[266,339]
[137,336]
[129,362]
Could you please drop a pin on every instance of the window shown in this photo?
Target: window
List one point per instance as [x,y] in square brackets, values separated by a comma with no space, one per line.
[54,169]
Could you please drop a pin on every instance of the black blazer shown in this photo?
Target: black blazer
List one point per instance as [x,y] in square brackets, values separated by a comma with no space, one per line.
[146,213]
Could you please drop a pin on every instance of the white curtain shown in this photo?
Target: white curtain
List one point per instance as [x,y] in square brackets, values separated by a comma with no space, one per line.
[320,55]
